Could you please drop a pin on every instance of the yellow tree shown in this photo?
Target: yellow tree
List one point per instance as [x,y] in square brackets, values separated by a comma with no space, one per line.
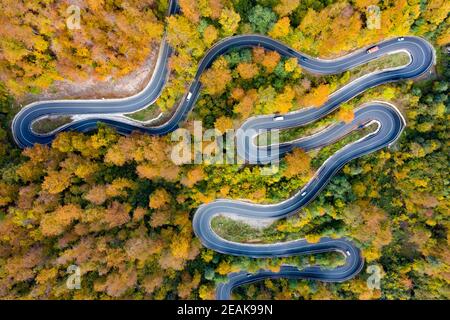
[298,162]
[193,176]
[97,195]
[55,223]
[316,97]
[183,35]
[229,20]
[281,28]
[190,10]
[237,93]
[152,282]
[271,60]
[285,7]
[217,77]
[187,284]
[283,101]
[291,65]
[444,37]
[247,70]
[57,181]
[159,199]
[117,214]
[210,8]
[210,35]
[363,4]
[346,115]
[245,107]
[223,123]
[258,54]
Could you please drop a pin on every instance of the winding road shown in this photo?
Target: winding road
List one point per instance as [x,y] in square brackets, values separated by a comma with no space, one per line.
[388,119]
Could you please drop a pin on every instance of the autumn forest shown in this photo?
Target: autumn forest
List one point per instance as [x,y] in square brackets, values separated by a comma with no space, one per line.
[121,210]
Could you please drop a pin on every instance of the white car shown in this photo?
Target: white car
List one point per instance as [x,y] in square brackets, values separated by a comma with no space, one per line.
[189,96]
[348,253]
[278,118]
[400,39]
[303,193]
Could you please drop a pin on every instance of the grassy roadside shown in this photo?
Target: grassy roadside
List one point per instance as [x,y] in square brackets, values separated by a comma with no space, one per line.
[395,60]
[236,231]
[47,125]
[149,113]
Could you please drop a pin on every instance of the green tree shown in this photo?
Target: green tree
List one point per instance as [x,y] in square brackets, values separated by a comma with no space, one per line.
[261,19]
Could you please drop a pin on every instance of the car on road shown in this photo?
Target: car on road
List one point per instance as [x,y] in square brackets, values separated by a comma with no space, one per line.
[278,118]
[189,96]
[304,59]
[303,194]
[400,39]
[348,253]
[373,49]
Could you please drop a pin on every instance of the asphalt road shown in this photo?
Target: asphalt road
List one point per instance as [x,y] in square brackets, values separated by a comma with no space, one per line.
[388,119]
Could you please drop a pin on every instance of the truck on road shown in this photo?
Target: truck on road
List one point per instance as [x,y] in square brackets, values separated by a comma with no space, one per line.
[373,49]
